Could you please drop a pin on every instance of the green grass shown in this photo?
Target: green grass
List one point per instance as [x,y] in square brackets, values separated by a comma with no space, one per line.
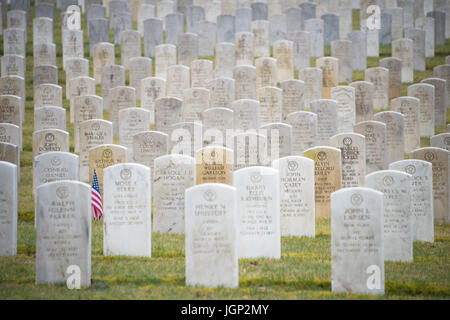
[303,272]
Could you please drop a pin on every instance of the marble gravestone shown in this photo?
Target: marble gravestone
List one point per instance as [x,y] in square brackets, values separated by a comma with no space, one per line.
[258,209]
[302,49]
[185,138]
[216,122]
[11,133]
[119,98]
[224,59]
[330,74]
[112,76]
[394,65]
[379,76]
[49,117]
[395,140]
[418,38]
[103,156]
[8,209]
[246,114]
[364,92]
[270,99]
[359,49]
[211,261]
[283,52]
[327,113]
[63,231]
[304,131]
[172,175]
[410,108]
[195,101]
[266,72]
[103,53]
[149,145]
[92,133]
[421,197]
[440,166]
[441,140]
[327,176]
[152,88]
[168,111]
[353,158]
[244,82]
[127,210]
[297,217]
[425,93]
[375,140]
[357,244]
[345,97]
[201,73]
[47,95]
[398,236]
[140,68]
[54,166]
[292,96]
[48,140]
[440,99]
[214,164]
[177,79]
[85,108]
[342,50]
[316,29]
[131,122]
[443,72]
[279,139]
[403,49]
[221,92]
[250,149]
[261,33]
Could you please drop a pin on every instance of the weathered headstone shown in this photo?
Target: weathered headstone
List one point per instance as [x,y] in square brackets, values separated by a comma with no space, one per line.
[375,140]
[410,108]
[224,59]
[403,49]
[439,159]
[168,111]
[214,164]
[421,197]
[92,133]
[394,65]
[172,175]
[327,177]
[440,99]
[353,158]
[316,29]
[304,130]
[345,97]
[8,209]
[54,166]
[398,236]
[297,216]
[211,261]
[425,93]
[165,56]
[379,76]
[177,79]
[103,156]
[259,191]
[127,208]
[49,117]
[357,249]
[395,140]
[63,231]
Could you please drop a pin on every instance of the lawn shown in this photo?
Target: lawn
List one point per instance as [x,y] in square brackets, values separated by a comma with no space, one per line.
[303,272]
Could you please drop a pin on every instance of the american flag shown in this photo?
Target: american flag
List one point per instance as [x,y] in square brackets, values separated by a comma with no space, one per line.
[96,197]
